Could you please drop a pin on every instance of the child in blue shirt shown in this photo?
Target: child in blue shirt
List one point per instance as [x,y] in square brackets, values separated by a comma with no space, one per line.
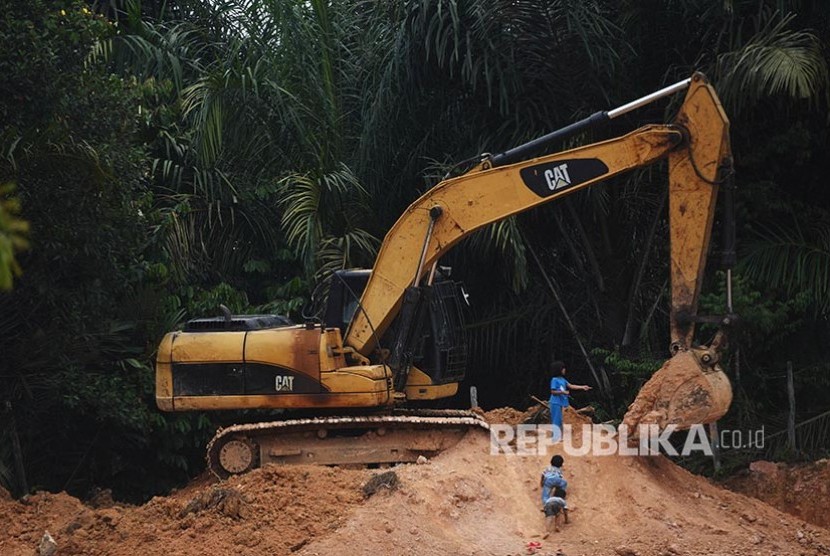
[552,478]
[559,391]
[554,488]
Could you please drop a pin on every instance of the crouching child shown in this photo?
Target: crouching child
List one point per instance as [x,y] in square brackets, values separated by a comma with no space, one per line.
[555,506]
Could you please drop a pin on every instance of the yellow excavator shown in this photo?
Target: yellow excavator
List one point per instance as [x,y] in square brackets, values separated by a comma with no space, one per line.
[394,334]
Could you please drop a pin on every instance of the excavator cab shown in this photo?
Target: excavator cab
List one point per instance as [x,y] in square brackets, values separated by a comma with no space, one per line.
[427,335]
[345,290]
[443,355]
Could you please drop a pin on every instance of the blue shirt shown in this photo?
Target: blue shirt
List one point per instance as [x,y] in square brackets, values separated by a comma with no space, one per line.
[552,478]
[559,383]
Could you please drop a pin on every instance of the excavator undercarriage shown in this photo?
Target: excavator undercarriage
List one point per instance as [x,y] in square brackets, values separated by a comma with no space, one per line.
[375,440]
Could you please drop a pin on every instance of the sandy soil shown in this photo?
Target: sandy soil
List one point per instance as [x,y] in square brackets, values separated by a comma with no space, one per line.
[464,501]
[801,490]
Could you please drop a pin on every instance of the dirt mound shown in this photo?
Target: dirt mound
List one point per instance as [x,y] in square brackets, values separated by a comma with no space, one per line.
[274,510]
[506,415]
[538,414]
[465,501]
[801,490]
[469,502]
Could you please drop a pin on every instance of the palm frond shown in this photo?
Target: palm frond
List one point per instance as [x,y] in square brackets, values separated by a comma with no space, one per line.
[13,235]
[792,258]
[324,219]
[162,52]
[776,62]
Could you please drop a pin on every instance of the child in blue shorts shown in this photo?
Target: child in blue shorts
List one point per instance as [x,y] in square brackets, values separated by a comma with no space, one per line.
[554,487]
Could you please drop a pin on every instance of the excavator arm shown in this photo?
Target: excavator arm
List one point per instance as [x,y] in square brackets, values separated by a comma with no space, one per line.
[696,144]
[695,173]
[691,387]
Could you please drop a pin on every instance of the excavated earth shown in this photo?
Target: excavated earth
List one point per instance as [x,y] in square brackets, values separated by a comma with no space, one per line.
[464,502]
[802,490]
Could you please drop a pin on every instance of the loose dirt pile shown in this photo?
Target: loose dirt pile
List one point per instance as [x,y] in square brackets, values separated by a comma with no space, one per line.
[464,501]
[801,490]
[681,394]
[511,416]
[274,510]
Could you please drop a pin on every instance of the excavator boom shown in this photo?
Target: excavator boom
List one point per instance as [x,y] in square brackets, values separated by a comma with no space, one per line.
[470,202]
[697,145]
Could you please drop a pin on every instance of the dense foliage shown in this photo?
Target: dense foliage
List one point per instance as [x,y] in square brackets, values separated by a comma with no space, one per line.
[159,159]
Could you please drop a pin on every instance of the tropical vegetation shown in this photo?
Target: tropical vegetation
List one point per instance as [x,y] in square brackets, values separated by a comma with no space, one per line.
[162,158]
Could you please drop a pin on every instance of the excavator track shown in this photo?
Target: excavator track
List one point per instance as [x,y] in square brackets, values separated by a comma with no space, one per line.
[399,437]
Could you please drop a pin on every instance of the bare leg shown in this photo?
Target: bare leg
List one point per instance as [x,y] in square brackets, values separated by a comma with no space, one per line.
[549,523]
[556,523]
[565,511]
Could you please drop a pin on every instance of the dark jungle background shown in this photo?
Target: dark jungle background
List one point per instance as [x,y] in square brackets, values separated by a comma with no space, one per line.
[160,158]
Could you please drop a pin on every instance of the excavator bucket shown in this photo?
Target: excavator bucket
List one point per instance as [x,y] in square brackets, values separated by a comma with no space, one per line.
[684,392]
